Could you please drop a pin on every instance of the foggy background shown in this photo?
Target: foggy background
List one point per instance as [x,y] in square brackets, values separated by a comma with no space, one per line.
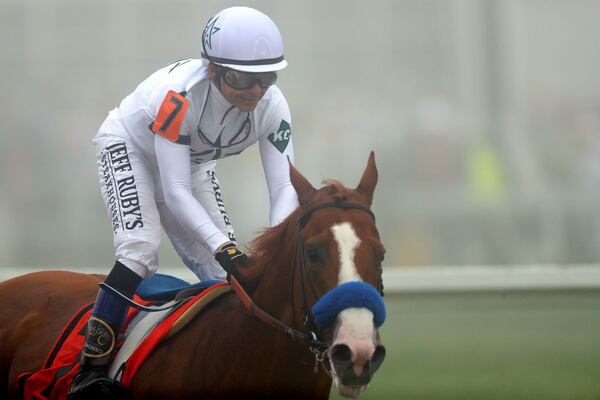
[484,117]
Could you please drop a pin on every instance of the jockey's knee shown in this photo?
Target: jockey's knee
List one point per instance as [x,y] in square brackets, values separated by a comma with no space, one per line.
[140,257]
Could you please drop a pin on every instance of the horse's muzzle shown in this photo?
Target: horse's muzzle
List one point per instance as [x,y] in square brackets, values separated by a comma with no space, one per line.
[356,351]
[353,373]
[346,369]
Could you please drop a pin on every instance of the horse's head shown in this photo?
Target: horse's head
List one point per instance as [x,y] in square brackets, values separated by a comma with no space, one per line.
[341,274]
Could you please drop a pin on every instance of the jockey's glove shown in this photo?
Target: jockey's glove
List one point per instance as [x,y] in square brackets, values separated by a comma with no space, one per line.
[231,257]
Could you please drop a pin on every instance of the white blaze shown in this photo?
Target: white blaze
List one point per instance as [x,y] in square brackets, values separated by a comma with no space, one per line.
[354,325]
[347,242]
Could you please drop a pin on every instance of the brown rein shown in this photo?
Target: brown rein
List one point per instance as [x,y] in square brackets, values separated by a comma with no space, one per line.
[316,346]
[264,316]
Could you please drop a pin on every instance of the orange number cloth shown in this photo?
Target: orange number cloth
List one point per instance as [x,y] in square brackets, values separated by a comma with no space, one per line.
[170,116]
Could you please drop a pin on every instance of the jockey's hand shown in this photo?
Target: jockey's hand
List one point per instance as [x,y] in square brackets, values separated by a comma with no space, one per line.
[231,257]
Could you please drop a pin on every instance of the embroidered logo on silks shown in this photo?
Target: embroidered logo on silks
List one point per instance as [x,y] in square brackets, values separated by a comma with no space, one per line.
[220,203]
[119,185]
[281,138]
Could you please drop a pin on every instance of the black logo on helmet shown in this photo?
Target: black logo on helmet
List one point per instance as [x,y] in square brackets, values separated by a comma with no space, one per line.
[210,30]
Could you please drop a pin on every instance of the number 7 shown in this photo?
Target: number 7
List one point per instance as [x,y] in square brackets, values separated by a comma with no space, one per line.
[170,116]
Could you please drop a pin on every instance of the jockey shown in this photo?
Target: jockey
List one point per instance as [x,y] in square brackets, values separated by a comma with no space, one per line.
[156,157]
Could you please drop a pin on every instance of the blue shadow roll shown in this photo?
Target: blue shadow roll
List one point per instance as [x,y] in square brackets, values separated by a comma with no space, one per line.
[352,294]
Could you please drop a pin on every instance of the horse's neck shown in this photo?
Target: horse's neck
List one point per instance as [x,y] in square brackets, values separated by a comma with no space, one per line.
[276,293]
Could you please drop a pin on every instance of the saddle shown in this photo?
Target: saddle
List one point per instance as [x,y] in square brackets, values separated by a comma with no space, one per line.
[179,302]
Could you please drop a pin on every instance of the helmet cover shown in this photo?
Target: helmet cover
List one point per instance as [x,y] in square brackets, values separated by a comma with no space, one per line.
[243,39]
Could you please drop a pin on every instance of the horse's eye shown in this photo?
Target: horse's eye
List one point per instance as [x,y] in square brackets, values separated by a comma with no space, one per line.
[313,254]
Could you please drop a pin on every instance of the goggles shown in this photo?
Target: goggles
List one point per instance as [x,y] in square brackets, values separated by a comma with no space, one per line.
[239,80]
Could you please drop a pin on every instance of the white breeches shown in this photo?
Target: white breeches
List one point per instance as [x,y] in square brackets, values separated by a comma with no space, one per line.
[130,186]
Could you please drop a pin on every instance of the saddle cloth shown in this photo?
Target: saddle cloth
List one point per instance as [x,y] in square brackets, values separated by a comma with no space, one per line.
[142,332]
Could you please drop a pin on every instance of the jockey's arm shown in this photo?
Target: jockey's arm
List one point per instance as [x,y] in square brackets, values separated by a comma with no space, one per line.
[282,196]
[175,174]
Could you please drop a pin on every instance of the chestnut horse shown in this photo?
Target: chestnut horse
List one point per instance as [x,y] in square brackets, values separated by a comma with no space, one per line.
[226,352]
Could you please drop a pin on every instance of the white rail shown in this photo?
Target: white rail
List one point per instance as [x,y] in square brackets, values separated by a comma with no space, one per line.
[484,278]
[444,279]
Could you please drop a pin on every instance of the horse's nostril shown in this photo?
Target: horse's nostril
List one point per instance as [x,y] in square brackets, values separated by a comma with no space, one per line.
[377,358]
[341,355]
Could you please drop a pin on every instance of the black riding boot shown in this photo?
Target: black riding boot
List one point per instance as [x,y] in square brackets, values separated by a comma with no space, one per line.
[91,382]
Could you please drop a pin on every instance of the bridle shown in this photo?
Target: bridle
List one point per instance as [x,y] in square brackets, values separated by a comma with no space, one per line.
[304,278]
[316,345]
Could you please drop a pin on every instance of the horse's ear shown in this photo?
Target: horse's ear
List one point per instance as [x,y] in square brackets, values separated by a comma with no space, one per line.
[366,187]
[304,189]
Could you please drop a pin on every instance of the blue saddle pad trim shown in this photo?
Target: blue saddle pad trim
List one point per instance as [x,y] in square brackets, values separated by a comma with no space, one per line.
[163,287]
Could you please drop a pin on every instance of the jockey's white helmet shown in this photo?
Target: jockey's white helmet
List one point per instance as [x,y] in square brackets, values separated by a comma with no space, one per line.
[244,39]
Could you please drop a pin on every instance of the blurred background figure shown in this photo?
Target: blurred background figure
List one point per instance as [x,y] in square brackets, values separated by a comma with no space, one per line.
[485,119]
[484,116]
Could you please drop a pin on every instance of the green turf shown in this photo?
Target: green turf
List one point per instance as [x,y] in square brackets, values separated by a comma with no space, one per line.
[491,346]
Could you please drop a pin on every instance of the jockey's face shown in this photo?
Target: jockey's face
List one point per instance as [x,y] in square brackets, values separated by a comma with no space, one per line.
[244,100]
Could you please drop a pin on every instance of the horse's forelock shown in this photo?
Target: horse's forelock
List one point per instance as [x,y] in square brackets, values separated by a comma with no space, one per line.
[337,189]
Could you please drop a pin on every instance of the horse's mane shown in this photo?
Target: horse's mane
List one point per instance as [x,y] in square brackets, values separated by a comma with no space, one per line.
[275,243]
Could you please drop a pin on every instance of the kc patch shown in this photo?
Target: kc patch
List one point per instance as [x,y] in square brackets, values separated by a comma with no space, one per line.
[281,138]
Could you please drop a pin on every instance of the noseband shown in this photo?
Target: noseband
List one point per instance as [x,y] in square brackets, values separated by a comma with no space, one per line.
[316,345]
